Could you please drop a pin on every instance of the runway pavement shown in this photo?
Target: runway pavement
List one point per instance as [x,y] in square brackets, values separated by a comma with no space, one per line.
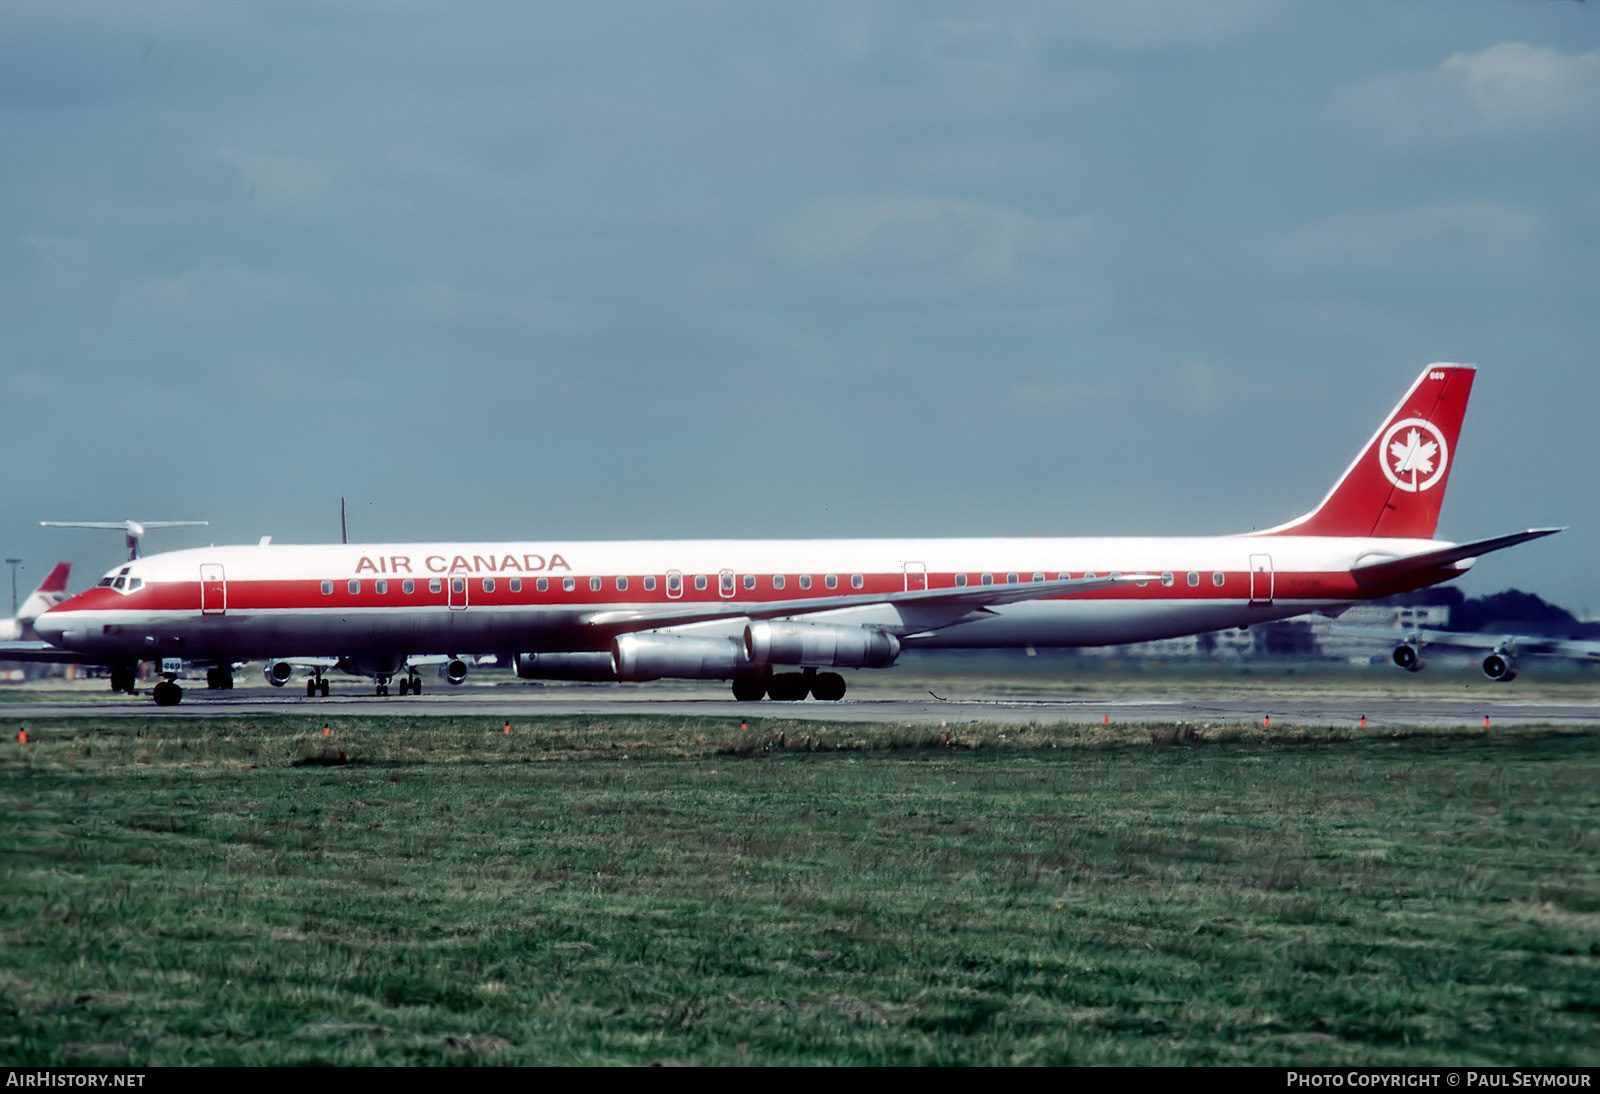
[514,701]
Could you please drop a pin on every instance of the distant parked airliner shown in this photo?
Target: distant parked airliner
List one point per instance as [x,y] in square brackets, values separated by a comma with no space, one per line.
[775,616]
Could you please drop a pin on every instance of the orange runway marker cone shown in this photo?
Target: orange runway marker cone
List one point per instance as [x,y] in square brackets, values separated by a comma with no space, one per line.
[507,728]
[1485,721]
[1266,722]
[22,736]
[326,730]
[1105,719]
[744,725]
[1363,721]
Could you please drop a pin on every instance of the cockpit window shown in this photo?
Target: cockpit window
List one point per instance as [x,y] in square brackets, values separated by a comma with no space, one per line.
[104,582]
[119,583]
[134,583]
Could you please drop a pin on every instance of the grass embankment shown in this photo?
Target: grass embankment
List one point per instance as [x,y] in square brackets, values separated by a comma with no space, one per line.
[655,890]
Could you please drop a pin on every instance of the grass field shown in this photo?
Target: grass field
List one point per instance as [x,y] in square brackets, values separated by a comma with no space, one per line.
[640,891]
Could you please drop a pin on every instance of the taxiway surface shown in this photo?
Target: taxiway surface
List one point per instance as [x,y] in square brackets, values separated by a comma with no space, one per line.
[513,702]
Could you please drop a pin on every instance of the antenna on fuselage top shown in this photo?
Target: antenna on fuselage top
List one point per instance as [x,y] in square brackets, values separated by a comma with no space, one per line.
[344,533]
[133,530]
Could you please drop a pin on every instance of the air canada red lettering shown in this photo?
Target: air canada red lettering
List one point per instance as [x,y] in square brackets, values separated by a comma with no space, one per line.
[509,563]
[479,563]
[435,564]
[557,560]
[367,564]
[397,563]
[459,563]
[533,562]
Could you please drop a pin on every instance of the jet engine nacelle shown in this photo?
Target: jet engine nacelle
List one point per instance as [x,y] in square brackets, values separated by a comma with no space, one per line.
[565,666]
[278,673]
[454,670]
[1500,667]
[1409,657]
[653,656]
[769,643]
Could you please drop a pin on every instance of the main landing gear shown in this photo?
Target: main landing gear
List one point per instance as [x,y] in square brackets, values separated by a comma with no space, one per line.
[220,678]
[124,678]
[412,683]
[790,687]
[317,685]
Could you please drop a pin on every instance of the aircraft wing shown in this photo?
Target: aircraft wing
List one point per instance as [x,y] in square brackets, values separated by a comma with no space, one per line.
[45,653]
[1532,644]
[1383,571]
[931,608]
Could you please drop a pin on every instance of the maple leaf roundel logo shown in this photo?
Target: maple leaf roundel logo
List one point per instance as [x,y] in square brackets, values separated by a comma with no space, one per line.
[1413,454]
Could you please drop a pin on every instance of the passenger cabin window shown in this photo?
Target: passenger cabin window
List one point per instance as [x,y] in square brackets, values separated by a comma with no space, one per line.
[458,584]
[1166,577]
[1038,577]
[805,581]
[1216,579]
[674,582]
[355,587]
[725,582]
[987,579]
[622,584]
[568,584]
[516,584]
[961,579]
[542,584]
[857,581]
[831,581]
[650,584]
[1011,579]
[435,585]
[594,584]
[700,582]
[1088,575]
[749,581]
[408,586]
[1194,579]
[380,587]
[327,587]
[777,581]
[1063,576]
[488,584]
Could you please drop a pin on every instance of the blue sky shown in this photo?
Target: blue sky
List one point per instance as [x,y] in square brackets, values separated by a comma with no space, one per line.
[509,270]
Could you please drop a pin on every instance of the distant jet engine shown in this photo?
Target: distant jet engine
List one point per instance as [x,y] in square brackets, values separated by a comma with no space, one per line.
[278,673]
[1500,667]
[454,670]
[653,656]
[767,643]
[1409,657]
[565,666]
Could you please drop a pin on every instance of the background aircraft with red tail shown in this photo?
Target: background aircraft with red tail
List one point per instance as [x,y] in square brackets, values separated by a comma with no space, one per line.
[778,616]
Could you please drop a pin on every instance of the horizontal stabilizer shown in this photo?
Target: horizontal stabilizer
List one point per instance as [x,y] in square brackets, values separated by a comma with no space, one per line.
[1386,571]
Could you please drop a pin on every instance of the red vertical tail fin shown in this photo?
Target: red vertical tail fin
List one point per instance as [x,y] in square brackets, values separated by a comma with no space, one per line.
[1396,485]
[56,580]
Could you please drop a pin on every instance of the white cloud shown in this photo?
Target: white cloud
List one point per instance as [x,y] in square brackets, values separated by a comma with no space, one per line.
[1463,230]
[283,180]
[967,239]
[1509,89]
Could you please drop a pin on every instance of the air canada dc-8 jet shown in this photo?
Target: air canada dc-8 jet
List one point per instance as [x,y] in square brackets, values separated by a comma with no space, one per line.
[776,616]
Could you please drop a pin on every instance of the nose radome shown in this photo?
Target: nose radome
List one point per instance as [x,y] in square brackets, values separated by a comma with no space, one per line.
[50,626]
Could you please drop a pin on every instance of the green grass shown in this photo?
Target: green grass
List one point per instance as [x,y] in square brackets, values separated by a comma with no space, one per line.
[644,890]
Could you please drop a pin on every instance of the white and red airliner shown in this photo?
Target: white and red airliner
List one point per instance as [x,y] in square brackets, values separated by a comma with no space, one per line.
[774,616]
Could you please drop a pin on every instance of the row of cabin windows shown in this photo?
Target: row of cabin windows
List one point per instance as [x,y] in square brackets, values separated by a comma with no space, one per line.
[675,582]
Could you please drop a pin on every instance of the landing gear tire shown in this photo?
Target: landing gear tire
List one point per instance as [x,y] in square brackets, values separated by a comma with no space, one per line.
[416,686]
[828,686]
[311,689]
[167,694]
[322,688]
[749,689]
[788,687]
[405,686]
[123,679]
